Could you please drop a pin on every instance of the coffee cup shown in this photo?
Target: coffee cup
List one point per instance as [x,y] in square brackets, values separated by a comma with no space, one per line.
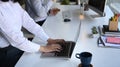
[85,58]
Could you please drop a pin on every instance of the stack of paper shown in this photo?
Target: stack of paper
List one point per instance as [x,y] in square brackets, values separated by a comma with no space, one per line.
[106,41]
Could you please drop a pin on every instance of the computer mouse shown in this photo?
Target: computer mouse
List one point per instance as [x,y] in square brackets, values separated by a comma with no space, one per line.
[67,20]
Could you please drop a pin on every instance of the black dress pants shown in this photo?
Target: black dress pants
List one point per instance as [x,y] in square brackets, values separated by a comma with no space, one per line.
[9,56]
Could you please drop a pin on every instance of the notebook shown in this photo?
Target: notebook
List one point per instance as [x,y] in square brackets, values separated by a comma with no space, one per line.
[66,52]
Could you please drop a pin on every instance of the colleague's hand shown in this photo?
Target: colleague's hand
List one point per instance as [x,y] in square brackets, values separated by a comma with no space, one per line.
[55,41]
[51,48]
[54,0]
[54,11]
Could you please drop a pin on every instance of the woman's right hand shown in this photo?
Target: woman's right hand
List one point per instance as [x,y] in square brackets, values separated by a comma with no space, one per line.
[51,48]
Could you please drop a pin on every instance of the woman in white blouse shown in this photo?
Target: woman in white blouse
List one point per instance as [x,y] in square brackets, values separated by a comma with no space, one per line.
[12,19]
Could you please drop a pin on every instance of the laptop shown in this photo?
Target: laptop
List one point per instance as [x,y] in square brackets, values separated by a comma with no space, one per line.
[66,52]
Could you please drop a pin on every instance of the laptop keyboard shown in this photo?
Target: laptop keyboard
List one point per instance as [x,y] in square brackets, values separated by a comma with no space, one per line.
[67,49]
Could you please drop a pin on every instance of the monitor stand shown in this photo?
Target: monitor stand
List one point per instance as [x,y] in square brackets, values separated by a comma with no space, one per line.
[97,15]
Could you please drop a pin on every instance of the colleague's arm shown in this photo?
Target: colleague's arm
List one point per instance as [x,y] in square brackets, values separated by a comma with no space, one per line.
[41,6]
[47,4]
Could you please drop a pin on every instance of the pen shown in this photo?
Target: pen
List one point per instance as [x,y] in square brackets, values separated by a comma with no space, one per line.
[102,41]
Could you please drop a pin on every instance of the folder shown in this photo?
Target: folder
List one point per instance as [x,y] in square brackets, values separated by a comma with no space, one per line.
[103,43]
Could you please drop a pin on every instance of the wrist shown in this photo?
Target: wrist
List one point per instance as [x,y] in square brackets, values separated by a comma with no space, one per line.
[49,40]
[41,48]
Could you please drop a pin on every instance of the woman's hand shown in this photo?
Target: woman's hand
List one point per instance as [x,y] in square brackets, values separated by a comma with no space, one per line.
[51,48]
[55,41]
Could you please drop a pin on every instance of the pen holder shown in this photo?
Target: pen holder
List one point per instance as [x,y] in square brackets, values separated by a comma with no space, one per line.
[113,25]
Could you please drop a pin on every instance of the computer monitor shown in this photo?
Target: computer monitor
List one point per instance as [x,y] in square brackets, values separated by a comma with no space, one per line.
[98,6]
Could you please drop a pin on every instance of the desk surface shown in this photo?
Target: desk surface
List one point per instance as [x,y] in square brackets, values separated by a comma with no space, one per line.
[102,57]
[57,28]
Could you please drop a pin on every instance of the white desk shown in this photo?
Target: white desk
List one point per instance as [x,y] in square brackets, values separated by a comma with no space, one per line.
[115,7]
[57,28]
[102,57]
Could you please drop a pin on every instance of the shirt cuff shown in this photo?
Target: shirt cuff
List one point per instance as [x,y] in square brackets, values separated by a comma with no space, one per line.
[29,47]
[50,3]
[45,37]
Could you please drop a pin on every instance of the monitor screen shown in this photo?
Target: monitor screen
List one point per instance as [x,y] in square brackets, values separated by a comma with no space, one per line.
[97,6]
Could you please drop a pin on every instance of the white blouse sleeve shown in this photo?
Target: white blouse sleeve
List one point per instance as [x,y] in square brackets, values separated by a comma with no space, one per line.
[17,40]
[15,37]
[47,4]
[33,27]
